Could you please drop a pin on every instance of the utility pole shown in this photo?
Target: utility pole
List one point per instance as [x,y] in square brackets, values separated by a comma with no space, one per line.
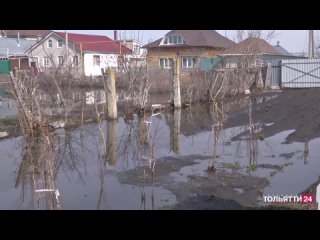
[67,47]
[311,44]
[82,58]
[67,40]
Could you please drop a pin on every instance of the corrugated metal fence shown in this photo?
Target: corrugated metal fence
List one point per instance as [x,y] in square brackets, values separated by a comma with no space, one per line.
[209,63]
[276,71]
[4,66]
[300,73]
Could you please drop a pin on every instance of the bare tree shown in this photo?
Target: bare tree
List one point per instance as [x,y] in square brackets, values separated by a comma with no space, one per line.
[267,35]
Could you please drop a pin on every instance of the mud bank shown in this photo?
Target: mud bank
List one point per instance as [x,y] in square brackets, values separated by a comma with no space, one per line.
[219,190]
[296,109]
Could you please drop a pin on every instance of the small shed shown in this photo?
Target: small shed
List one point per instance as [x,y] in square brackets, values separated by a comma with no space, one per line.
[253,49]
[13,53]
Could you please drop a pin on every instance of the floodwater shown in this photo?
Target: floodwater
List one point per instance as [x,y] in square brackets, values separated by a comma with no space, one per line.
[7,107]
[133,163]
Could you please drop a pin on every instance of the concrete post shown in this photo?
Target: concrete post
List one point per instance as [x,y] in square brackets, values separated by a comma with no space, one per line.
[259,81]
[110,89]
[176,83]
[268,77]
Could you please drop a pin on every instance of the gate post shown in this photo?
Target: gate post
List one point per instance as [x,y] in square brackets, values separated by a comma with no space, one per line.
[267,84]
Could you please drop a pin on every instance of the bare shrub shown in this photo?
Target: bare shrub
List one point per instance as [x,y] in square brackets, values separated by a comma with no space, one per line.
[133,76]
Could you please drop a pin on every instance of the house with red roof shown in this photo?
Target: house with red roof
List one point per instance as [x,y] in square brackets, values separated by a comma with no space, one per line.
[80,53]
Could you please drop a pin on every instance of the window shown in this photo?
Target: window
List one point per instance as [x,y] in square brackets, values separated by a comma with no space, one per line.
[75,61]
[35,61]
[50,43]
[174,39]
[96,60]
[165,63]
[136,49]
[60,60]
[46,62]
[60,43]
[189,62]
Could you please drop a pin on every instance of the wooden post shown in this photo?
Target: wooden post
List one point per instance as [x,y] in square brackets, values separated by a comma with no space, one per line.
[110,89]
[268,77]
[176,83]
[112,142]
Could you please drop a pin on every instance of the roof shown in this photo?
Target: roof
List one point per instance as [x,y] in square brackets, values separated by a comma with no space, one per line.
[282,51]
[95,43]
[153,44]
[252,45]
[27,33]
[197,38]
[11,46]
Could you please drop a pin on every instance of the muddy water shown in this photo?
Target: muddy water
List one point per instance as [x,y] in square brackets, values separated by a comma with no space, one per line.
[155,162]
[7,107]
[75,100]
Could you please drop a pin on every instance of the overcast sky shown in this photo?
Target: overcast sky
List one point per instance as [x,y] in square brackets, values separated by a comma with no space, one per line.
[295,41]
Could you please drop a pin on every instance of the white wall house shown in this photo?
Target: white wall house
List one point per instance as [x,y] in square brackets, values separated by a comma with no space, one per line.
[93,62]
[138,55]
[81,53]
[53,52]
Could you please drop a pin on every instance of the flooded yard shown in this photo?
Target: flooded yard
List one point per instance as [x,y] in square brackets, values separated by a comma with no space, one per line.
[182,159]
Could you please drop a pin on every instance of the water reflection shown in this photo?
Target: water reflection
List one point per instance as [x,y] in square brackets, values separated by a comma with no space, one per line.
[38,171]
[81,168]
[112,142]
[218,117]
[305,153]
[175,131]
[7,105]
[254,132]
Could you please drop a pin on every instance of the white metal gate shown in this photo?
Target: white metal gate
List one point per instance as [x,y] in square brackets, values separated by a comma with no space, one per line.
[300,73]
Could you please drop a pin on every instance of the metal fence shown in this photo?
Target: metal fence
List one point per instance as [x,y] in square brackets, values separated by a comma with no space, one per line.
[4,66]
[276,71]
[300,73]
[209,63]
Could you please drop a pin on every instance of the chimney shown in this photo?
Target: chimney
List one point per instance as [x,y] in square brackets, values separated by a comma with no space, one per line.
[278,43]
[115,35]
